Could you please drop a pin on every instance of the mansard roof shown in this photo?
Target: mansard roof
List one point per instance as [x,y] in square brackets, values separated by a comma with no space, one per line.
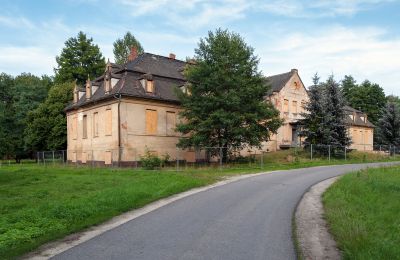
[165,72]
[357,121]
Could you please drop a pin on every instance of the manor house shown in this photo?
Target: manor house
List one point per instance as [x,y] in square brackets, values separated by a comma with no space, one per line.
[114,118]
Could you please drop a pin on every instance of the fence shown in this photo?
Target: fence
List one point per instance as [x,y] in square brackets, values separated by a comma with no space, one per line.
[214,157]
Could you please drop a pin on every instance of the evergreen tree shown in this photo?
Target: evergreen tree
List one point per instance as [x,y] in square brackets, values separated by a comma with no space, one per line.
[47,127]
[224,103]
[313,119]
[389,125]
[7,122]
[122,48]
[324,122]
[78,59]
[349,84]
[335,115]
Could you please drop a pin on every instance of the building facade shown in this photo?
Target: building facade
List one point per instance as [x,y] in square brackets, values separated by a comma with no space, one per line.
[131,109]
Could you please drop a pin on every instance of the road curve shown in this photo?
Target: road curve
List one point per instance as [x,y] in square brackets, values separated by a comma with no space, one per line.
[247,219]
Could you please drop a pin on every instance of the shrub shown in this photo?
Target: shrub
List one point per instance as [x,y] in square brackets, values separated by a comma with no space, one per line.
[150,161]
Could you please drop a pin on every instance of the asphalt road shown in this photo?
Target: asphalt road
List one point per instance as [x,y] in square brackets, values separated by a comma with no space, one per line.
[247,219]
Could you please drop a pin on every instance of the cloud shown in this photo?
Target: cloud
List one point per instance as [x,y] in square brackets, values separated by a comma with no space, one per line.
[16,22]
[364,52]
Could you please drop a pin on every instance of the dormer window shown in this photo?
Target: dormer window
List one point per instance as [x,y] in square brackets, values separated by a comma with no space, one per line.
[362,118]
[351,117]
[149,86]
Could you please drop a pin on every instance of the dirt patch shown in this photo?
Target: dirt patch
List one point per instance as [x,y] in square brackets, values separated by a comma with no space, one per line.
[314,240]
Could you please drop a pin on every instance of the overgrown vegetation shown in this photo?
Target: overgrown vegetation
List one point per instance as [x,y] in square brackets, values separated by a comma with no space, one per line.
[362,210]
[39,203]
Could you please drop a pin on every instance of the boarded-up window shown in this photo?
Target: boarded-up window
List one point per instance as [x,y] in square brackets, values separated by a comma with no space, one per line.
[84,157]
[171,123]
[151,121]
[74,127]
[73,159]
[108,122]
[84,127]
[285,105]
[303,105]
[150,86]
[294,106]
[107,157]
[95,124]
[355,136]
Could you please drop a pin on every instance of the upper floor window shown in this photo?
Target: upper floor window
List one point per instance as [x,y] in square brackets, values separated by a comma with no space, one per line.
[149,86]
[285,105]
[171,123]
[84,127]
[108,126]
[294,106]
[95,124]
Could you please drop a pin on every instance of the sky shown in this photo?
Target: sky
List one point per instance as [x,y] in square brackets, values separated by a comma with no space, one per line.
[342,37]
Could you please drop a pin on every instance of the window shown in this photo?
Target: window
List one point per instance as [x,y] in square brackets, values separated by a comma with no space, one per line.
[294,107]
[95,124]
[149,86]
[108,122]
[171,123]
[74,127]
[285,105]
[362,118]
[351,117]
[151,121]
[84,127]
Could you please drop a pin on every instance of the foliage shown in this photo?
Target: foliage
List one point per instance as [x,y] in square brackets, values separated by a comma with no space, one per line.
[122,48]
[362,212]
[224,103]
[79,59]
[20,95]
[324,121]
[150,161]
[389,125]
[47,127]
[367,97]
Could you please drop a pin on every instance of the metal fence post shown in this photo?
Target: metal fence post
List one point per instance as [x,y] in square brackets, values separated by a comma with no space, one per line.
[177,160]
[345,153]
[53,157]
[37,157]
[329,152]
[220,157]
[63,157]
[311,152]
[262,159]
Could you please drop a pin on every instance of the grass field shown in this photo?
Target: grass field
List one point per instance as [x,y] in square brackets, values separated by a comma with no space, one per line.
[39,204]
[363,211]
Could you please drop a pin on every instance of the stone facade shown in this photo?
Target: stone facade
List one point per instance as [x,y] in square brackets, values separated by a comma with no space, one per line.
[116,117]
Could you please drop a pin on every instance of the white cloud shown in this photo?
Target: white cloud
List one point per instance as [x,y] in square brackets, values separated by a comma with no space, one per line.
[16,22]
[365,53]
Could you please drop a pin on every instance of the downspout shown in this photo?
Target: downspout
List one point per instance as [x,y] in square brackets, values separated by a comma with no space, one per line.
[118,96]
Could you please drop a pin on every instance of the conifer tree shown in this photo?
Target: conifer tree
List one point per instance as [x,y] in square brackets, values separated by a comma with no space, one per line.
[389,125]
[224,103]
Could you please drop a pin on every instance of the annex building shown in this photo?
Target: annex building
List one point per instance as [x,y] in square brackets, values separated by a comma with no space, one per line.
[133,107]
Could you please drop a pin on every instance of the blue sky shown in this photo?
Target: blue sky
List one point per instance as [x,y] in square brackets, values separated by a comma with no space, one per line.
[357,37]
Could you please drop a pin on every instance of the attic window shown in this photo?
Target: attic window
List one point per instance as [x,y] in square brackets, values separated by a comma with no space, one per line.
[362,118]
[351,117]
[149,86]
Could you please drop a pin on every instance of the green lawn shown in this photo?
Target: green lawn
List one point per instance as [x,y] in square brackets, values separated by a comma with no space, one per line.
[39,204]
[363,211]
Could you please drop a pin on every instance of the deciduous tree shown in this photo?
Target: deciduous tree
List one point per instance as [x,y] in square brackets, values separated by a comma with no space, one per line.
[223,104]
[122,48]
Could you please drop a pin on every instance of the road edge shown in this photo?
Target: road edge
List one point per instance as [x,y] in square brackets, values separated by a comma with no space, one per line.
[54,248]
[310,231]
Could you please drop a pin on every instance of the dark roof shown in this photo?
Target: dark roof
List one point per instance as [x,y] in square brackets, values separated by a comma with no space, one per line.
[357,119]
[166,74]
[277,82]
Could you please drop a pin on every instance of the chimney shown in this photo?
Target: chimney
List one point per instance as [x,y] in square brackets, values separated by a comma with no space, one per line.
[172,56]
[107,77]
[133,54]
[88,88]
[75,93]
[294,70]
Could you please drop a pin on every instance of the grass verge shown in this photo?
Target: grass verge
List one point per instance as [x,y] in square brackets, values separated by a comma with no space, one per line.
[362,210]
[39,204]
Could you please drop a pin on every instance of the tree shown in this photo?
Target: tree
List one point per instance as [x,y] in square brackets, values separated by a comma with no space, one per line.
[79,59]
[335,115]
[7,123]
[224,103]
[122,48]
[47,127]
[349,84]
[324,122]
[313,119]
[367,97]
[394,99]
[389,125]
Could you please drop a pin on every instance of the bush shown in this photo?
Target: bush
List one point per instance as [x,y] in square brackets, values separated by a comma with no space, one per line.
[150,161]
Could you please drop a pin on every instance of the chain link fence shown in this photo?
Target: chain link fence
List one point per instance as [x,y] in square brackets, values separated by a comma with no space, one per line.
[178,159]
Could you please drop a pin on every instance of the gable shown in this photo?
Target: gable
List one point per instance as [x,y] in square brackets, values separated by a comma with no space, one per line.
[294,87]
